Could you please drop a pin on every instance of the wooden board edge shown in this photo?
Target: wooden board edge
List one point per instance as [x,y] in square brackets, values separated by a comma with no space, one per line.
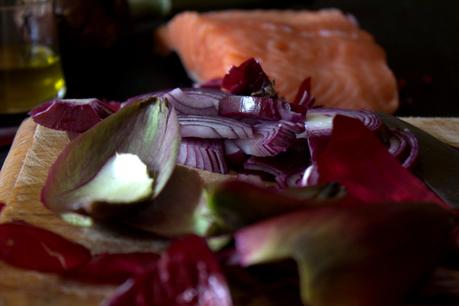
[22,142]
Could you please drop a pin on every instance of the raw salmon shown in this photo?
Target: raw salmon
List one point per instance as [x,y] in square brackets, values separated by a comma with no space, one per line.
[348,68]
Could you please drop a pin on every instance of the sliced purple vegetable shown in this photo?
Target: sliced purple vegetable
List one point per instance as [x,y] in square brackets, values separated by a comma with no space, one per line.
[268,165]
[291,179]
[126,159]
[72,115]
[209,127]
[234,155]
[319,121]
[397,144]
[271,138]
[310,176]
[203,154]
[187,274]
[262,108]
[283,168]
[413,147]
[26,246]
[195,101]
[248,79]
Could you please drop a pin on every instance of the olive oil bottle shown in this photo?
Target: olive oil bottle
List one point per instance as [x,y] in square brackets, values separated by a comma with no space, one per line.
[29,75]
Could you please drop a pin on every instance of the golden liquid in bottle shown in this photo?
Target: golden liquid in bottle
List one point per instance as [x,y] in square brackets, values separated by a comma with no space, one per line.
[29,75]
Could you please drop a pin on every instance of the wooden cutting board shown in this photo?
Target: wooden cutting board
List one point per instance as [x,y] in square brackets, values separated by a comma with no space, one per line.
[21,180]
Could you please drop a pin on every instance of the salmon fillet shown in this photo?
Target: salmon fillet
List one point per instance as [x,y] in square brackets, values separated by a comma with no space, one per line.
[348,68]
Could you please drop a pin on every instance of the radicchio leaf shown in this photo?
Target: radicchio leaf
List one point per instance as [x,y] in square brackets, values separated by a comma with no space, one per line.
[113,268]
[187,274]
[147,130]
[29,247]
[356,158]
[304,99]
[363,254]
[72,115]
[248,79]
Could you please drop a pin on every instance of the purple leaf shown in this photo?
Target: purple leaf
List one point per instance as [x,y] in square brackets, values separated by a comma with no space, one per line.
[72,115]
[248,79]
[369,173]
[303,99]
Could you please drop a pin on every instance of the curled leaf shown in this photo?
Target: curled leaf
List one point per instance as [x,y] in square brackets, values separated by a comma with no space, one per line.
[125,159]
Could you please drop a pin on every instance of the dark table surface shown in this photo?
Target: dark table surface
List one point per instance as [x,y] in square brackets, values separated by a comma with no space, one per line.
[421,39]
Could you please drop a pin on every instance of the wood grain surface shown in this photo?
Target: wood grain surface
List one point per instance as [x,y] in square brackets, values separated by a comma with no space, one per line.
[21,179]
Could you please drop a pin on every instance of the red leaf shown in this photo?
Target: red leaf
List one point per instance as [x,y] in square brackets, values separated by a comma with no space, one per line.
[248,79]
[26,246]
[114,268]
[303,99]
[356,158]
[187,274]
[2,205]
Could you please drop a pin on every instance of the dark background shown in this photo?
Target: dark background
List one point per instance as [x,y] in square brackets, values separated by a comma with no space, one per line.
[421,39]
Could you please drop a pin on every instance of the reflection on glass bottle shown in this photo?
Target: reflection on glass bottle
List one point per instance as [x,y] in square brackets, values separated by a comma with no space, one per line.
[30,70]
[29,75]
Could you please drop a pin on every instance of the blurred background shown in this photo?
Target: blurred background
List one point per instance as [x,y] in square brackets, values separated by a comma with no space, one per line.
[108,51]
[107,46]
[108,54]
